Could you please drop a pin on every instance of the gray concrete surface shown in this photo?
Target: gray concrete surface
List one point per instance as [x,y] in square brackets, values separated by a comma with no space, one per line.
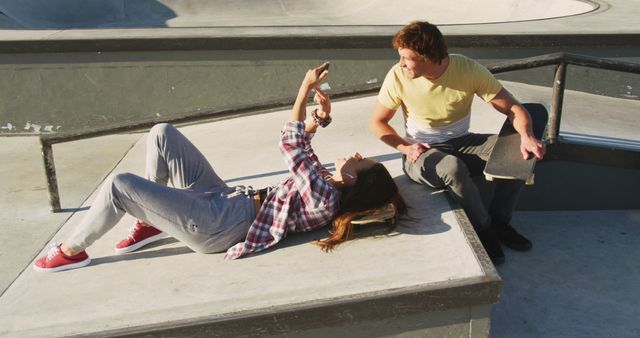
[580,280]
[614,16]
[25,221]
[173,13]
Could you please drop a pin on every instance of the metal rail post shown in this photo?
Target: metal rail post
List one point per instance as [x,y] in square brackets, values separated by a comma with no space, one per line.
[50,171]
[553,128]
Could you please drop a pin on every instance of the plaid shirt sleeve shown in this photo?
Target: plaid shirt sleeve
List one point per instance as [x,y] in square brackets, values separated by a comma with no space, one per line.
[304,166]
[319,199]
[313,158]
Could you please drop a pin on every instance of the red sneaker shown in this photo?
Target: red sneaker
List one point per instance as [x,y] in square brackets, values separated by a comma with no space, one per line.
[56,260]
[139,236]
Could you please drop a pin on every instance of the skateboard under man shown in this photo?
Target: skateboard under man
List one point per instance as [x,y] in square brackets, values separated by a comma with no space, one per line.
[506,160]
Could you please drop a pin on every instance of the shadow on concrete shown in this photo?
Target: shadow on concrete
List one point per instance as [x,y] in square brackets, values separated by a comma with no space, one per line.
[329,166]
[72,210]
[83,14]
[406,225]
[242,178]
[145,254]
[412,227]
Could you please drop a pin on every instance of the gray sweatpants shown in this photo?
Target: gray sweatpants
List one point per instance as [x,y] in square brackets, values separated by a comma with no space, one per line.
[451,165]
[200,210]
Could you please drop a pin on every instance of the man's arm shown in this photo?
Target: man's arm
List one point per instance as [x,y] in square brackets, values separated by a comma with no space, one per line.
[506,104]
[379,126]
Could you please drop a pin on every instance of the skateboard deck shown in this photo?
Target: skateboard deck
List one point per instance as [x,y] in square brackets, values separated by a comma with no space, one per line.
[382,215]
[506,161]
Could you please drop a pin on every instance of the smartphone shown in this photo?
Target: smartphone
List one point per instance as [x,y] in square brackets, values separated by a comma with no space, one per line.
[324,68]
[325,87]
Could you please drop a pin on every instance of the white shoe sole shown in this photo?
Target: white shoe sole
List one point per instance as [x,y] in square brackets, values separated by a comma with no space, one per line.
[63,267]
[140,244]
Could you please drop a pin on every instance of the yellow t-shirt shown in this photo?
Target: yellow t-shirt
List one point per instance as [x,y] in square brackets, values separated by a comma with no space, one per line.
[441,102]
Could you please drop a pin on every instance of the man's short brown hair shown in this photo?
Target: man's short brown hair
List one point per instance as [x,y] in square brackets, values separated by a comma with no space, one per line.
[424,39]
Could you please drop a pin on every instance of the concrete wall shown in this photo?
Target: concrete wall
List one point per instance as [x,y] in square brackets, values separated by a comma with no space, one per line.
[69,92]
[74,90]
[569,185]
[466,322]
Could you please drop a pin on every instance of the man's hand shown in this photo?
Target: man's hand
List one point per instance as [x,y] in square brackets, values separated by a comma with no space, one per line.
[531,145]
[506,104]
[414,151]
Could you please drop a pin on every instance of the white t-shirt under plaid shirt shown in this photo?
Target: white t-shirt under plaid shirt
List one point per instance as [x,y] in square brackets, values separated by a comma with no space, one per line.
[304,201]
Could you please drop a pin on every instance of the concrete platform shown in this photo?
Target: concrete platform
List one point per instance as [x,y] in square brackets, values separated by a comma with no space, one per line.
[167,285]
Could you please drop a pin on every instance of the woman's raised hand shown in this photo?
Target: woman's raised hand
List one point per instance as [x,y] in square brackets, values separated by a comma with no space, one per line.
[312,79]
[324,101]
[315,75]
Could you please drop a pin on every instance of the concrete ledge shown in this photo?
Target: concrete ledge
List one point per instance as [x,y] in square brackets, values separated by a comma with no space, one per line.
[458,322]
[272,38]
[599,141]
[337,313]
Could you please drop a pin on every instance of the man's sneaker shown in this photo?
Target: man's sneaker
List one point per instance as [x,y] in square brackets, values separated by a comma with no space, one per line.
[139,236]
[56,260]
[491,245]
[512,239]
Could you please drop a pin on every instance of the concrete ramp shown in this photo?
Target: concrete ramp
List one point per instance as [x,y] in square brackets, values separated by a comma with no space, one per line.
[70,14]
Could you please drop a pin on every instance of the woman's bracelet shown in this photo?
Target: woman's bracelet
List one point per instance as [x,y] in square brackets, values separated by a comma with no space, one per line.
[322,122]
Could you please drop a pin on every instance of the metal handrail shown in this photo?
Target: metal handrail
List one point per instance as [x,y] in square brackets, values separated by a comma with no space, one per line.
[568,58]
[561,60]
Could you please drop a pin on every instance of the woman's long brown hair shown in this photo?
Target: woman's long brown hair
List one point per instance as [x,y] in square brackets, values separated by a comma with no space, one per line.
[374,189]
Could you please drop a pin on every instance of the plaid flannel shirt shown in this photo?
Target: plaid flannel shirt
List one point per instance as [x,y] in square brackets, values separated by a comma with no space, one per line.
[304,201]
